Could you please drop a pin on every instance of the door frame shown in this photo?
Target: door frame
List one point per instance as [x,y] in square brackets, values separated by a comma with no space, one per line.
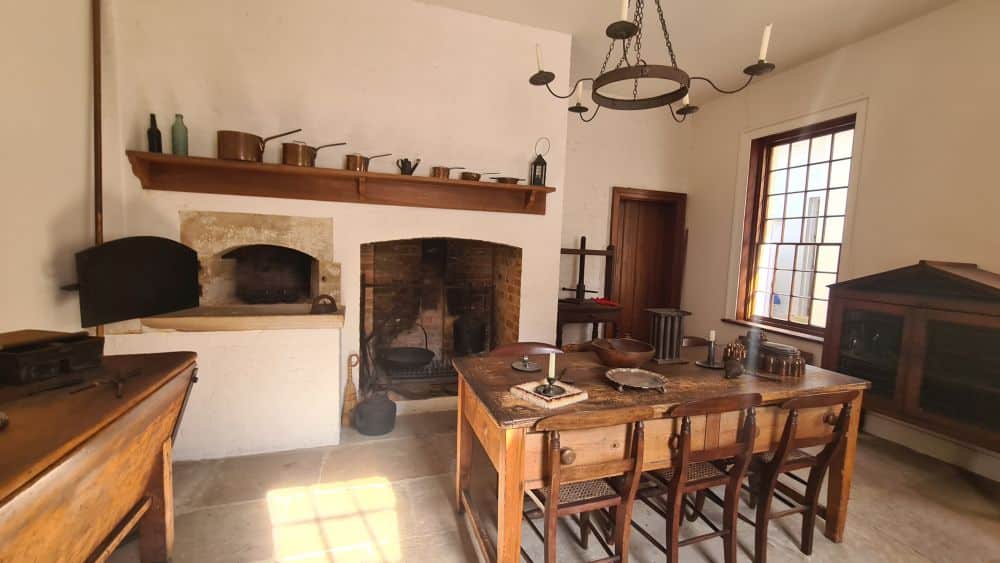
[620,195]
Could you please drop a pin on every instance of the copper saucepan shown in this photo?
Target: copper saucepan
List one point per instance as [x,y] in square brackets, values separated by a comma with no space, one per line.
[237,145]
[300,154]
[507,180]
[474,176]
[359,163]
[444,171]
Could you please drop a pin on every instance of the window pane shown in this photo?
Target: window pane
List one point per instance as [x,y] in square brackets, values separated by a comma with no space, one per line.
[815,204]
[772,231]
[817,175]
[783,281]
[793,230]
[818,317]
[793,207]
[820,150]
[805,258]
[812,230]
[840,173]
[827,258]
[800,311]
[786,257]
[800,153]
[776,182]
[779,307]
[838,202]
[797,179]
[821,291]
[779,157]
[776,207]
[765,256]
[763,280]
[834,231]
[761,301]
[843,142]
[802,284]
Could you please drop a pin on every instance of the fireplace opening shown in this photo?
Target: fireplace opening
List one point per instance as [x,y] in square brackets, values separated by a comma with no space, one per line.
[426,301]
[268,274]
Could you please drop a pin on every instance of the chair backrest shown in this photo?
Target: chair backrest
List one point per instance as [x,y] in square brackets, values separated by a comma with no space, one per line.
[524,349]
[561,463]
[741,451]
[832,441]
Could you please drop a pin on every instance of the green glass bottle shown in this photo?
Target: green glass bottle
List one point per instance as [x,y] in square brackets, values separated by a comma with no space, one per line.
[179,136]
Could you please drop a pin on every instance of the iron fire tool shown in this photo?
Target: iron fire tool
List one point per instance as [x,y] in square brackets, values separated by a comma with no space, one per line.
[550,389]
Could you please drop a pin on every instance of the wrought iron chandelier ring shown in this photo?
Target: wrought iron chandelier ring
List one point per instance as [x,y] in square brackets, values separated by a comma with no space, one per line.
[641,72]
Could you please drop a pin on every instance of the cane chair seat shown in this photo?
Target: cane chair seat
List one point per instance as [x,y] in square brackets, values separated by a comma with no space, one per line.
[696,472]
[582,491]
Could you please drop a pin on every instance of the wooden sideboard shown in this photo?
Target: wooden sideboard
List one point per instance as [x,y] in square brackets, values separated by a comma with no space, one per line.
[83,465]
[927,336]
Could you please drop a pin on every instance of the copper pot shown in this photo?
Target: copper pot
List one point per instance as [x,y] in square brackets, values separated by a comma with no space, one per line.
[507,179]
[474,176]
[236,145]
[359,163]
[301,154]
[444,171]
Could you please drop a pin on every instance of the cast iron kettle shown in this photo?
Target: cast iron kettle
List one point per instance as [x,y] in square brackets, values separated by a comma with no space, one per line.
[376,415]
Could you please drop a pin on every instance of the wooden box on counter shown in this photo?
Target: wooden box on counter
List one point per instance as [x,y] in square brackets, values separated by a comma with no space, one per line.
[928,338]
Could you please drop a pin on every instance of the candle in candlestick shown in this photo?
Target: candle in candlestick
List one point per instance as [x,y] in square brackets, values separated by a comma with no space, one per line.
[625,10]
[711,336]
[538,56]
[552,368]
[764,42]
[579,92]
[686,101]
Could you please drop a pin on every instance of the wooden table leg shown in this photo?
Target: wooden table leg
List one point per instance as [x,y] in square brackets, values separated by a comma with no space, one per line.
[841,472]
[156,529]
[463,450]
[510,496]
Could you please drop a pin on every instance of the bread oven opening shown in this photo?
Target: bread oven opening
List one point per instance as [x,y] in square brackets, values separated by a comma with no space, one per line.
[426,301]
[267,274]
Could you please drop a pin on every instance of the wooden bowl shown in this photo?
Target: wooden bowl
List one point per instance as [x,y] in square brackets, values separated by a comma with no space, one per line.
[623,352]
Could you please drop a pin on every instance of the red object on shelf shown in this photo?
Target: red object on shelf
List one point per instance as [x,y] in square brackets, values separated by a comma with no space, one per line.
[603,301]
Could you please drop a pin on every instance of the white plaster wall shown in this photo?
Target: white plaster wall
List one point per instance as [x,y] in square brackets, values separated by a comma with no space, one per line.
[257,391]
[387,75]
[45,152]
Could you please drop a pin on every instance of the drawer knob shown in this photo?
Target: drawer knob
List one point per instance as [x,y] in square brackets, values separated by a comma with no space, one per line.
[567,456]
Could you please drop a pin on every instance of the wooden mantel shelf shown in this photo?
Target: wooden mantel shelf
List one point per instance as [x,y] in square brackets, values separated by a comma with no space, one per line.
[214,176]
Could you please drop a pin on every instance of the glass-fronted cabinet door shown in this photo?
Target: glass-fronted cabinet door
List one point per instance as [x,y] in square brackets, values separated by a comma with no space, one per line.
[870,346]
[956,373]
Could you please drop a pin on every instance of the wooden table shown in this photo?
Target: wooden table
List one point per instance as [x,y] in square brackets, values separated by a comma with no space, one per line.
[501,424]
[79,470]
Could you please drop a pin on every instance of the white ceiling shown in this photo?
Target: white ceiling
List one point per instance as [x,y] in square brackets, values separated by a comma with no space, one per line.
[713,38]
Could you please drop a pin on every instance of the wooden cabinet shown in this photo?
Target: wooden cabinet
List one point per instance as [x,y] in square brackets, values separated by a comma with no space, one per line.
[928,339]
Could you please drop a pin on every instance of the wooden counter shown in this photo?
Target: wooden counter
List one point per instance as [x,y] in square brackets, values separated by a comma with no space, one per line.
[502,425]
[82,466]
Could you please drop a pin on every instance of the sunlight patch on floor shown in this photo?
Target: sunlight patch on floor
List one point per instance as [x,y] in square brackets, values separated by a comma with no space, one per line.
[344,521]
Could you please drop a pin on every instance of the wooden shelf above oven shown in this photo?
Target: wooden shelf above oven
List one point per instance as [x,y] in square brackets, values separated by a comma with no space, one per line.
[229,177]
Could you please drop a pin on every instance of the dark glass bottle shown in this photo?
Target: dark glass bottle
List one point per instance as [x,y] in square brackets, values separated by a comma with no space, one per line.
[153,135]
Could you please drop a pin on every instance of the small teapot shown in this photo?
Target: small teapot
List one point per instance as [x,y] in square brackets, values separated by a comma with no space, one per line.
[406,167]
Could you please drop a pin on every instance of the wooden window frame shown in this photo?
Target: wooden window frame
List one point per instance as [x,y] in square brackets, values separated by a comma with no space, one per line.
[753,220]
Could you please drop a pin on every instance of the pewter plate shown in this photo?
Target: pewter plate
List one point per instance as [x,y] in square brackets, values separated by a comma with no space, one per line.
[636,378]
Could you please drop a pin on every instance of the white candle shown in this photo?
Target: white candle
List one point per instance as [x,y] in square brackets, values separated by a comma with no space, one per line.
[552,366]
[711,336]
[579,92]
[538,56]
[764,41]
[625,10]
[687,100]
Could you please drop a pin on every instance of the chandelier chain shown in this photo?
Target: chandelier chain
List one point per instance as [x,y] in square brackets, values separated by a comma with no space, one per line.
[666,34]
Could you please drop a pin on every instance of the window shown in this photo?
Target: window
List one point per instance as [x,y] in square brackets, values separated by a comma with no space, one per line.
[794,224]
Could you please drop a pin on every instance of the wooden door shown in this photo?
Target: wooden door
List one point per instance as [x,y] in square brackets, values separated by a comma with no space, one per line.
[647,231]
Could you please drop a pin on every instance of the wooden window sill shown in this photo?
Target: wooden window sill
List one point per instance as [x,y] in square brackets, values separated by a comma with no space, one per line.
[776,330]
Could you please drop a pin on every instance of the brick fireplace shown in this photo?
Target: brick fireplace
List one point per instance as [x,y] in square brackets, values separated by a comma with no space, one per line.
[452,296]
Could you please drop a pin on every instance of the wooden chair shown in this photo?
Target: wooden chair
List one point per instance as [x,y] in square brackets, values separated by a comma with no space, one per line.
[524,349]
[699,471]
[568,491]
[766,468]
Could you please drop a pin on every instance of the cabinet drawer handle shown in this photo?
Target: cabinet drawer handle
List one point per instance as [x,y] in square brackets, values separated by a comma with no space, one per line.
[567,456]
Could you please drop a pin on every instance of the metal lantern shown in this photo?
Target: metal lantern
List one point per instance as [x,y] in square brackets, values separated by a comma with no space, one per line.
[538,166]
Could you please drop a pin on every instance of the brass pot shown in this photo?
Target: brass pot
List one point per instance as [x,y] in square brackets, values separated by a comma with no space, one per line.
[444,171]
[237,145]
[359,163]
[301,154]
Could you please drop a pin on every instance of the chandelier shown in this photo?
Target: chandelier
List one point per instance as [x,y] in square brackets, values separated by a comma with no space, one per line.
[631,67]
